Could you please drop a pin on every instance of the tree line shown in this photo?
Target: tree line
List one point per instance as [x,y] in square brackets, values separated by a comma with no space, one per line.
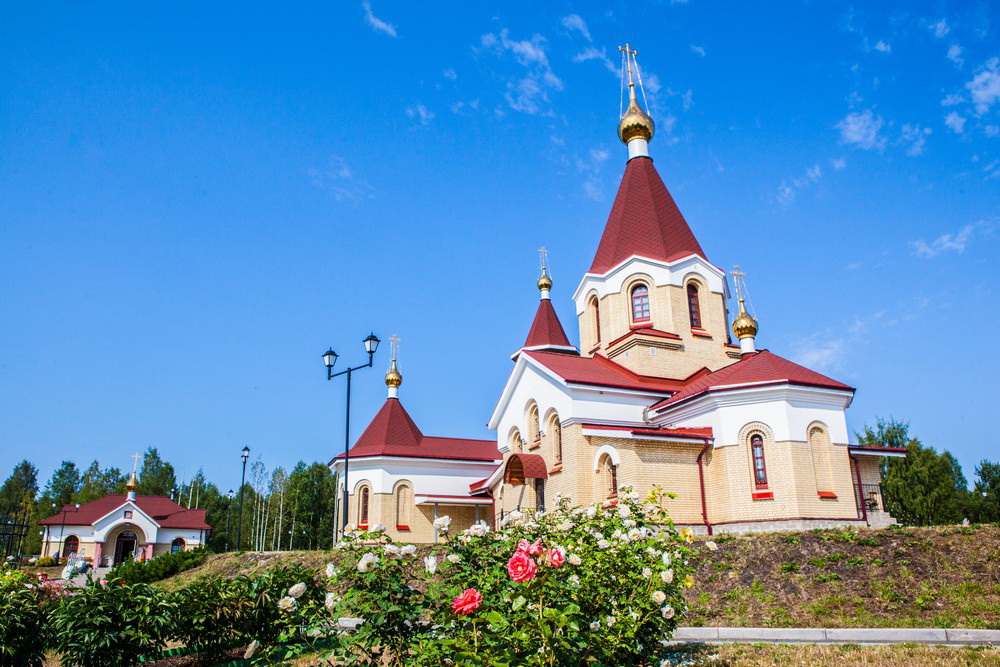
[282,509]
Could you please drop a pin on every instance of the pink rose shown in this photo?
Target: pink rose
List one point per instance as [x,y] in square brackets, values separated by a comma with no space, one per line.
[555,557]
[521,567]
[467,602]
[530,548]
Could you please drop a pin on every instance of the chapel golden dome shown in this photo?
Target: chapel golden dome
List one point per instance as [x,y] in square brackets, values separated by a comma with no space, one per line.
[393,378]
[544,282]
[132,484]
[636,123]
[744,326]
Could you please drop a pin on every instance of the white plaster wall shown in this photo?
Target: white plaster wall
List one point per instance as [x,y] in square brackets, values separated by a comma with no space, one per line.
[116,518]
[189,535]
[427,476]
[662,273]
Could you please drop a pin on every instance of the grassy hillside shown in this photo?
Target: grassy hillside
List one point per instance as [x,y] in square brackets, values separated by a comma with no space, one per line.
[919,577]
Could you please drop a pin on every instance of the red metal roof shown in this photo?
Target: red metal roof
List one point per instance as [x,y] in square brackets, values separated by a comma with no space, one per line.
[393,433]
[702,433]
[600,371]
[165,512]
[644,221]
[546,330]
[755,369]
[531,466]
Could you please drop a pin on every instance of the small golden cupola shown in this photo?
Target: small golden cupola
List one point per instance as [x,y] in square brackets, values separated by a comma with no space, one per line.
[393,378]
[744,326]
[132,484]
[636,128]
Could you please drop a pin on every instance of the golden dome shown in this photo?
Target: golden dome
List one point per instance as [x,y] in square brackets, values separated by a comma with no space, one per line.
[393,378]
[132,484]
[636,122]
[744,326]
[545,283]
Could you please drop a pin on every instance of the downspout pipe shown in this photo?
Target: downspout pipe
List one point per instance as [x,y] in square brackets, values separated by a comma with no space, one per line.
[861,491]
[701,481]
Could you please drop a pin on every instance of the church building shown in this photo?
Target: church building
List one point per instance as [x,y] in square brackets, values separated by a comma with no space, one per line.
[118,528]
[657,394]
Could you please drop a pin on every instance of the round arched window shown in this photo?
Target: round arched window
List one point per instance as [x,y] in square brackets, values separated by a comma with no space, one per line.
[640,303]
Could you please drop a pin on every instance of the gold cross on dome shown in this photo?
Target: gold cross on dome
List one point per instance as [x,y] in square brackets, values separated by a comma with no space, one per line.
[626,49]
[393,346]
[737,276]
[543,256]
[135,462]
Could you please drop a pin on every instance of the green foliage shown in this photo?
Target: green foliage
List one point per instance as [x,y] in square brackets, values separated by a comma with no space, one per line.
[868,541]
[924,488]
[827,577]
[96,483]
[790,566]
[22,485]
[46,561]
[156,477]
[111,624]
[161,567]
[22,620]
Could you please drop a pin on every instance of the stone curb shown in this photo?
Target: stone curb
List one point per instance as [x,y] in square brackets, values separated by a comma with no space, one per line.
[939,636]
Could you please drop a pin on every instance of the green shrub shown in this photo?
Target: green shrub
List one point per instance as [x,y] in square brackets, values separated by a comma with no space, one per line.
[22,620]
[113,623]
[46,561]
[790,566]
[161,567]
[856,561]
[867,542]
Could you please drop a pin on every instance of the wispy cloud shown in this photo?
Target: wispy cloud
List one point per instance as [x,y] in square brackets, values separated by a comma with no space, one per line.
[955,55]
[955,242]
[955,122]
[338,179]
[985,85]
[915,138]
[575,23]
[940,28]
[861,129]
[838,163]
[600,55]
[821,352]
[450,74]
[698,50]
[883,47]
[591,167]
[952,99]
[421,113]
[789,189]
[377,24]
[528,93]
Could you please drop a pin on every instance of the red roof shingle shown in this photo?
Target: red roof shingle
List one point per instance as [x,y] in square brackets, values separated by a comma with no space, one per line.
[165,512]
[546,330]
[644,221]
[760,368]
[600,371]
[393,433]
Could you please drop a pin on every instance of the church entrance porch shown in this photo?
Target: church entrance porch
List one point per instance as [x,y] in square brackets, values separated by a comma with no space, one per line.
[124,546]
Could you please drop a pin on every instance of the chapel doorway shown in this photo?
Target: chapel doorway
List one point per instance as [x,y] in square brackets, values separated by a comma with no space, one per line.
[124,546]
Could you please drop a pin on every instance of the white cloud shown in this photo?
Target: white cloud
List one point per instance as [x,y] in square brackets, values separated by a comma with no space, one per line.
[450,74]
[422,113]
[787,191]
[601,55]
[883,47]
[574,22]
[955,55]
[820,352]
[338,178]
[992,170]
[985,86]
[992,130]
[956,242]
[916,137]
[861,129]
[838,163]
[591,168]
[952,99]
[377,24]
[955,122]
[698,50]
[529,93]
[940,28]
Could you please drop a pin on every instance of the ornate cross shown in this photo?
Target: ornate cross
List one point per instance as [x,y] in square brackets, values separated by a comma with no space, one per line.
[543,256]
[135,462]
[393,346]
[737,276]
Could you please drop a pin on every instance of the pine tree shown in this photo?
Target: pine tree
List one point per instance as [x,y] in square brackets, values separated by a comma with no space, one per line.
[96,483]
[20,486]
[156,478]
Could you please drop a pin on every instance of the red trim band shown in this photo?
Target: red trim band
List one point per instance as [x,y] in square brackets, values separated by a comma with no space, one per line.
[827,494]
[763,495]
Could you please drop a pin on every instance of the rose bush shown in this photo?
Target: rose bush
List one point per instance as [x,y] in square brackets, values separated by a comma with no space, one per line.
[22,619]
[600,585]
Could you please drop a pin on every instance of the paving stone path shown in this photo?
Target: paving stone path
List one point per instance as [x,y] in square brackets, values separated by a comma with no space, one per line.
[937,636]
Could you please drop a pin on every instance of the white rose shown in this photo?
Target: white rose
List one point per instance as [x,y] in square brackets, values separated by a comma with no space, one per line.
[430,564]
[391,549]
[574,581]
[629,523]
[331,571]
[287,603]
[668,612]
[574,559]
[591,512]
[712,546]
[443,523]
[610,620]
[378,528]
[659,597]
[596,625]
[297,590]
[667,576]
[603,544]
[366,561]
[666,558]
[646,572]
[408,550]
[331,599]
[453,558]
[634,534]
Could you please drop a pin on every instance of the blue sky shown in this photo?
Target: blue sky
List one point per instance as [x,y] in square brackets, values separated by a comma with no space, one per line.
[198,199]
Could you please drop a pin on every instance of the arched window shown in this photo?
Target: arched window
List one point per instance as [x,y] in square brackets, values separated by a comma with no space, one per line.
[759,469]
[596,308]
[71,545]
[555,428]
[694,309]
[404,500]
[819,446]
[515,441]
[177,545]
[609,476]
[534,432]
[640,303]
[363,508]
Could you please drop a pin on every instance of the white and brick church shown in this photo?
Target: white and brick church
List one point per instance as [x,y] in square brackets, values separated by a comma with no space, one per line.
[656,394]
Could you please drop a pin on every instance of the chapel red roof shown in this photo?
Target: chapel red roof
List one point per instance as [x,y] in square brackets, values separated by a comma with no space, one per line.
[761,368]
[546,330]
[392,432]
[600,371]
[161,509]
[644,221]
[685,432]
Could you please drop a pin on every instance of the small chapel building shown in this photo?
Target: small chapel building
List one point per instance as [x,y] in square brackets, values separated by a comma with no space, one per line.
[657,394]
[118,528]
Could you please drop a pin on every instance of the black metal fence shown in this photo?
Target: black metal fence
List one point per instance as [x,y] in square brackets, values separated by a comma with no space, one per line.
[869,496]
[14,522]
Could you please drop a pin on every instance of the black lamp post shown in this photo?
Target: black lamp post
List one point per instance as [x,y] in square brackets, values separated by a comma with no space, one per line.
[239,527]
[229,504]
[329,359]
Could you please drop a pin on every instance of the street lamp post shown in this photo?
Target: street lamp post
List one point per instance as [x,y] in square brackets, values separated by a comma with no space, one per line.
[239,527]
[229,504]
[329,359]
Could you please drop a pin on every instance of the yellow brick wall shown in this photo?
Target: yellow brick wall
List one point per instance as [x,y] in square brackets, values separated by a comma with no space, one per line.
[382,509]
